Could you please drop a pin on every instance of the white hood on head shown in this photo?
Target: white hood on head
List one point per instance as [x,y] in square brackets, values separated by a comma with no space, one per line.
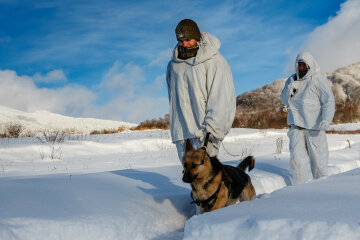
[310,62]
[209,46]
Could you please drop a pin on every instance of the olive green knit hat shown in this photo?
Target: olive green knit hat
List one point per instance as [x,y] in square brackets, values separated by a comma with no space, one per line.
[187,28]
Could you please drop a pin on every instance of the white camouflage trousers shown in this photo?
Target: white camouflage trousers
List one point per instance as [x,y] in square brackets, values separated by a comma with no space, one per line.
[307,146]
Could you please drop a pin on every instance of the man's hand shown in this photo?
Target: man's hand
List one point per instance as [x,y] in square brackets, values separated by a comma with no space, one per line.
[325,125]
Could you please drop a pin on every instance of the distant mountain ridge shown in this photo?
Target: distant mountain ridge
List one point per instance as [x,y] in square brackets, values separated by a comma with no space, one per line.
[262,108]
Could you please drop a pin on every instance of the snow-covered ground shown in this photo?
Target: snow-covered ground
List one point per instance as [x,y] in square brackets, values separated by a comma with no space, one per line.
[346,127]
[128,186]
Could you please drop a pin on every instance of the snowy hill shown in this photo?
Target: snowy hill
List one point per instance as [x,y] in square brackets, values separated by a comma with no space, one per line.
[262,99]
[128,186]
[346,83]
[43,120]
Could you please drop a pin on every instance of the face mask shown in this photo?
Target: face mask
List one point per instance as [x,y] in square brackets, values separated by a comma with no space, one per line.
[185,53]
[304,71]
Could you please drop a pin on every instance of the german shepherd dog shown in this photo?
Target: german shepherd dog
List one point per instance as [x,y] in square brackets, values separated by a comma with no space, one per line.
[215,185]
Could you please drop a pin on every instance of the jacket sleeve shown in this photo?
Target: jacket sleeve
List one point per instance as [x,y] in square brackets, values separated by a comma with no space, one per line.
[286,92]
[168,80]
[326,97]
[221,101]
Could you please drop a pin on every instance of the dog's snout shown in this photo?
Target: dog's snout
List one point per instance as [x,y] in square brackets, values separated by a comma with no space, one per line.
[186,177]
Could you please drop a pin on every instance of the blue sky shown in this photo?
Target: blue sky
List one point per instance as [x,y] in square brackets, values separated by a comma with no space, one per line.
[107,59]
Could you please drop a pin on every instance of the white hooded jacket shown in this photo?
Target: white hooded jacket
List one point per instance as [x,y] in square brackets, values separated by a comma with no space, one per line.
[313,101]
[201,92]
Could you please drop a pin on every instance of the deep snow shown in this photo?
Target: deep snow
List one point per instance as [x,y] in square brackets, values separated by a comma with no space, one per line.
[128,186]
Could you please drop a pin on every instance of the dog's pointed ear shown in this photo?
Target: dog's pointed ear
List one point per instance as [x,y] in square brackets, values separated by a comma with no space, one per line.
[188,146]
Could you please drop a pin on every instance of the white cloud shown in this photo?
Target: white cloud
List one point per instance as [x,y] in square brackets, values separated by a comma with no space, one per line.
[162,59]
[20,92]
[337,43]
[54,76]
[132,98]
[136,110]
[146,108]
[159,83]
[122,79]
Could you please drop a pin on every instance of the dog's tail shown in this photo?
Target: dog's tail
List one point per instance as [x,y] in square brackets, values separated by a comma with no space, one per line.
[248,162]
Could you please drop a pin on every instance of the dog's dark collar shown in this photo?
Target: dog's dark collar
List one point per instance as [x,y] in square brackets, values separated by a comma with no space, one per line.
[206,203]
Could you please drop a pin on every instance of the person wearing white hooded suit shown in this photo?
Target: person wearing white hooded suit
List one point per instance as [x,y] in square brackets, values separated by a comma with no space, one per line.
[311,104]
[200,89]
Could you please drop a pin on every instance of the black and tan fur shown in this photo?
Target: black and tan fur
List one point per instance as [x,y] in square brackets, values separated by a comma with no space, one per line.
[216,185]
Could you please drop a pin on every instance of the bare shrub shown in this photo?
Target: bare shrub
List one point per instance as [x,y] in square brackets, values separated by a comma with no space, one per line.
[28,133]
[245,151]
[55,136]
[260,120]
[108,131]
[347,113]
[77,137]
[343,131]
[12,130]
[165,141]
[52,141]
[70,131]
[160,123]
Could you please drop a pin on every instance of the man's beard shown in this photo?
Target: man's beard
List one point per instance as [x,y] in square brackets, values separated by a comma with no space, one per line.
[187,52]
[302,73]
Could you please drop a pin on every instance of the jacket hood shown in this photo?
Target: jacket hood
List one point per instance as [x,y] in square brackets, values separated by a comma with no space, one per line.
[310,62]
[209,46]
